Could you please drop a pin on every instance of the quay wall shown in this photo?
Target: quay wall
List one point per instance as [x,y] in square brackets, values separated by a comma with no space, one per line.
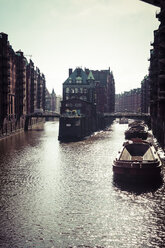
[11,127]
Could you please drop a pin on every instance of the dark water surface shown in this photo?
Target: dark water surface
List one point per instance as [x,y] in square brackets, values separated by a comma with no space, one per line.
[61,195]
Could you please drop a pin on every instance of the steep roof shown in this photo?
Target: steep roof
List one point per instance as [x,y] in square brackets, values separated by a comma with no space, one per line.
[78,73]
[101,76]
[90,76]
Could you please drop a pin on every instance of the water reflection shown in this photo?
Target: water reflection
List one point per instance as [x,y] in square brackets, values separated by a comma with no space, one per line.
[138,187]
[63,194]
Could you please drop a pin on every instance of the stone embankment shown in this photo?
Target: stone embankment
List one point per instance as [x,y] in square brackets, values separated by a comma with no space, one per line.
[11,127]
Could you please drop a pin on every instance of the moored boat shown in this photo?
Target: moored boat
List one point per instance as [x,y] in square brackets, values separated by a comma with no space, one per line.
[123,121]
[138,159]
[136,132]
[136,123]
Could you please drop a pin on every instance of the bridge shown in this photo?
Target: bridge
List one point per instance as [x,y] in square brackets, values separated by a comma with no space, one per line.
[127,115]
[141,116]
[45,114]
[106,116]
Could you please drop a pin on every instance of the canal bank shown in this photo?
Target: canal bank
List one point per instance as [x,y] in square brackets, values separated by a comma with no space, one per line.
[63,195]
[12,127]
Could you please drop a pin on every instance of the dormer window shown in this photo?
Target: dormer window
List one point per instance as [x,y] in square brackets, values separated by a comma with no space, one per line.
[70,80]
[78,80]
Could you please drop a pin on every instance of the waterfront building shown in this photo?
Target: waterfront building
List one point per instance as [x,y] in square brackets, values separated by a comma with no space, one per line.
[53,101]
[30,86]
[145,95]
[20,90]
[58,103]
[43,90]
[47,100]
[81,87]
[86,97]
[129,101]
[4,77]
[35,88]
[12,83]
[22,87]
[40,90]
[157,75]
[104,90]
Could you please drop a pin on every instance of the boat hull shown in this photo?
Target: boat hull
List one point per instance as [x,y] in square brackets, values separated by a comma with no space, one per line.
[136,134]
[136,172]
[138,159]
[127,175]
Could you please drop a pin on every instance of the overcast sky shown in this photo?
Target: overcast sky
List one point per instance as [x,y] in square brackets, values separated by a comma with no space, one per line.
[96,34]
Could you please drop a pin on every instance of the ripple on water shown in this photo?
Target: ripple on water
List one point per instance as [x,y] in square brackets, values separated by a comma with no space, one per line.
[64,194]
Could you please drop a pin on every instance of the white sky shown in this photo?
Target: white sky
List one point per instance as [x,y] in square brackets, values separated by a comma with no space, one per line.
[96,34]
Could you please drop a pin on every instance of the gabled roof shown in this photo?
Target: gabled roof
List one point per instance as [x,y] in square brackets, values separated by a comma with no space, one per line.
[101,76]
[90,76]
[78,73]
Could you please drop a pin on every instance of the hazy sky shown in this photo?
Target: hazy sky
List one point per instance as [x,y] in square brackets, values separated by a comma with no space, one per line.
[96,34]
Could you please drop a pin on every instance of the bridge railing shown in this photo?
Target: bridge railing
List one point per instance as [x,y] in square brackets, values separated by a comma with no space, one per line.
[126,114]
[44,114]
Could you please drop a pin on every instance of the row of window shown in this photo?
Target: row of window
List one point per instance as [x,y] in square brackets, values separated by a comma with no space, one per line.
[76,90]
[84,98]
[78,80]
[73,105]
[77,123]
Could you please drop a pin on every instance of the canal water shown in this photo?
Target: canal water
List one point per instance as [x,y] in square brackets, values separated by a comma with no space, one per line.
[58,195]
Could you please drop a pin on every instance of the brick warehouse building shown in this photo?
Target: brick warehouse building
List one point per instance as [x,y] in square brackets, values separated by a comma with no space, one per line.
[157,75]
[4,77]
[145,95]
[105,90]
[129,101]
[22,87]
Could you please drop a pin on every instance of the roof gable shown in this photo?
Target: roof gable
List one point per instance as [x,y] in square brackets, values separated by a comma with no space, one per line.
[77,74]
[90,76]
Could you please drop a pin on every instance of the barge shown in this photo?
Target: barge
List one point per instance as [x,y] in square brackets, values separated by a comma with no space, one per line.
[138,159]
[136,133]
[136,130]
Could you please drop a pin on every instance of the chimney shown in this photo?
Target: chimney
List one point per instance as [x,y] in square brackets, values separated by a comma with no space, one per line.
[70,71]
